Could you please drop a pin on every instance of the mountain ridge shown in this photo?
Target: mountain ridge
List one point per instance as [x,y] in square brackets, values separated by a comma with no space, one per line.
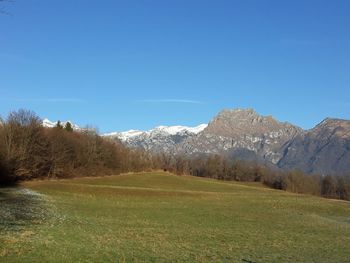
[172,130]
[243,133]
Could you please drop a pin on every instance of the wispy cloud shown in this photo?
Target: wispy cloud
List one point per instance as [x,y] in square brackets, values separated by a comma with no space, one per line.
[45,100]
[172,101]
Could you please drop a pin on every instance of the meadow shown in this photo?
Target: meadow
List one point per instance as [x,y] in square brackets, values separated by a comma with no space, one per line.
[160,217]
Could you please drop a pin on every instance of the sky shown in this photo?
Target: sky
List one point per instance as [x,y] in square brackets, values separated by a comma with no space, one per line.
[135,64]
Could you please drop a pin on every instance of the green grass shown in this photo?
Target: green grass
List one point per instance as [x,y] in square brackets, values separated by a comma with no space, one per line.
[158,217]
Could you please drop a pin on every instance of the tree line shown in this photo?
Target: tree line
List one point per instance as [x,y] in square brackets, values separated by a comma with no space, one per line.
[28,151]
[223,168]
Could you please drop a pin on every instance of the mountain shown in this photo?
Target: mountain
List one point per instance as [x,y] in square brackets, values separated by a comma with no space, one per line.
[49,124]
[239,131]
[232,132]
[323,149]
[244,134]
[159,139]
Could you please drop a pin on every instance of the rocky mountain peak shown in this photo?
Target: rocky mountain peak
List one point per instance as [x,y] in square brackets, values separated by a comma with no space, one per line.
[238,114]
[231,131]
[236,122]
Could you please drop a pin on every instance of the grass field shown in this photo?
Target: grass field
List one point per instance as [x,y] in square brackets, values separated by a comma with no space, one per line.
[158,217]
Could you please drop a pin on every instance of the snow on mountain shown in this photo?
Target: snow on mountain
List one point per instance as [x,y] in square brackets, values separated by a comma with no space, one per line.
[159,139]
[198,128]
[50,124]
[173,130]
[165,130]
[123,135]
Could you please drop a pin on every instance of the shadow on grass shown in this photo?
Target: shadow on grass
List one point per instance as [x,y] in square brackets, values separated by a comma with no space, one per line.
[248,261]
[20,207]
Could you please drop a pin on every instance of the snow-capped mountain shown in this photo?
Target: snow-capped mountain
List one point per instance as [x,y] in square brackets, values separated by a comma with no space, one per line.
[232,132]
[50,124]
[123,136]
[174,130]
[161,138]
[170,130]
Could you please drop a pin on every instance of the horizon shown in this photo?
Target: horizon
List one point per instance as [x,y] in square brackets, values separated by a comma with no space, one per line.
[186,126]
[138,65]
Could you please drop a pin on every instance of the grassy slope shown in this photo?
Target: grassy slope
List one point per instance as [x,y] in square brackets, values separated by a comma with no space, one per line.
[164,218]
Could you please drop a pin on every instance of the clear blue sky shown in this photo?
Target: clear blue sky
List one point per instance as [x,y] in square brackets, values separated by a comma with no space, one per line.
[137,64]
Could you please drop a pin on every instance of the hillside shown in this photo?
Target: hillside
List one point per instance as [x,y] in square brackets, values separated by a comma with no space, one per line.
[159,217]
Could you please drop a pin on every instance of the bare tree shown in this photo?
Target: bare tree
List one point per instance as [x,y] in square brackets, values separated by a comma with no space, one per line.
[24,144]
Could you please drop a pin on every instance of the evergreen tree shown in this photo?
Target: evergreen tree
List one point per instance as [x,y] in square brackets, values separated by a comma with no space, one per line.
[59,125]
[68,127]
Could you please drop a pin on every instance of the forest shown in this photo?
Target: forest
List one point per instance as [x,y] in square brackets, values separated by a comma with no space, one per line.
[30,151]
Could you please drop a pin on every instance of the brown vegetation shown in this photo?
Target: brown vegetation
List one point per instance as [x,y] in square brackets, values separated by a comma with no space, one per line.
[28,150]
[222,168]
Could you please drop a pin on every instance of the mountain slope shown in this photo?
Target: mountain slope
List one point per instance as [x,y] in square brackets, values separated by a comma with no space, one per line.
[323,149]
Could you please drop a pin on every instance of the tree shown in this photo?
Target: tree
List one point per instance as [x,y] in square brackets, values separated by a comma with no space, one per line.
[24,145]
[341,190]
[68,127]
[61,153]
[328,187]
[295,181]
[59,125]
